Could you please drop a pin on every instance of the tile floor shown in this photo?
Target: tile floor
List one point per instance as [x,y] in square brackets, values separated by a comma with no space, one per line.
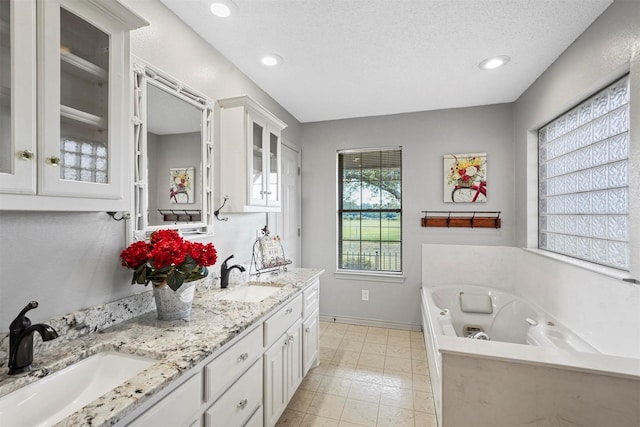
[367,377]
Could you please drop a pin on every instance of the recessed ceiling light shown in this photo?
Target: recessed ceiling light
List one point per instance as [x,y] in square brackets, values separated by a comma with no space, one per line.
[271,60]
[222,9]
[494,62]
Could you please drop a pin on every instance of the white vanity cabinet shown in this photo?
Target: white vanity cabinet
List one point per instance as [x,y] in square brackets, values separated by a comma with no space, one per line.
[78,143]
[311,326]
[250,142]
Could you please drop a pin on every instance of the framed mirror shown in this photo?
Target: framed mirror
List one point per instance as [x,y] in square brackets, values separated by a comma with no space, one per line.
[173,149]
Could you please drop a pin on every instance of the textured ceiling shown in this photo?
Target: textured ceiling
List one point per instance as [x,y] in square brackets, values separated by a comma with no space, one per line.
[355,58]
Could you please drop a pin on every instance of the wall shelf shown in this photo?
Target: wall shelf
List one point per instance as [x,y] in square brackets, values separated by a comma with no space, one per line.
[462,219]
[181,215]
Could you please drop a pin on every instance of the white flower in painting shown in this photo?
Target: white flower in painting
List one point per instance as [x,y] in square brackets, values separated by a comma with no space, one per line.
[472,170]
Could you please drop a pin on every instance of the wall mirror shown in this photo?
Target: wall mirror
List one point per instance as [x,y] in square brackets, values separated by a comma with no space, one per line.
[173,151]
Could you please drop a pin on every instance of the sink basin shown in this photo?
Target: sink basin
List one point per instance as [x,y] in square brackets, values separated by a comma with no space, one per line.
[251,293]
[62,393]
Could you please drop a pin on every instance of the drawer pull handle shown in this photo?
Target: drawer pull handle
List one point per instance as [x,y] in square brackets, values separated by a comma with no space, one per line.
[290,339]
[289,311]
[307,330]
[243,357]
[242,403]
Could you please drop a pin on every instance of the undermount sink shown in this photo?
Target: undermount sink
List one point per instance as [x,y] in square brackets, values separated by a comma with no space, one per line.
[251,293]
[62,393]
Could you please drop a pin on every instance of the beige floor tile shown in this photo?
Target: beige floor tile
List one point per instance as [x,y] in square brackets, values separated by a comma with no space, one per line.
[349,343]
[417,335]
[391,416]
[338,333]
[346,424]
[399,333]
[301,400]
[346,356]
[333,370]
[397,379]
[374,348]
[396,396]
[290,418]
[421,382]
[419,367]
[326,353]
[423,402]
[399,341]
[367,391]
[359,412]
[330,341]
[422,419]
[335,386]
[372,360]
[417,344]
[369,374]
[376,339]
[311,381]
[326,405]
[316,421]
[377,331]
[400,352]
[338,326]
[397,364]
[418,354]
[358,329]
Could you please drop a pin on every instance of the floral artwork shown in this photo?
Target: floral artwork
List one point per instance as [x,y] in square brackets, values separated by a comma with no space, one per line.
[181,185]
[465,178]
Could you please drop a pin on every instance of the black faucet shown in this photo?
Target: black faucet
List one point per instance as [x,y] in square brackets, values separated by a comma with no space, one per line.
[224,272]
[21,340]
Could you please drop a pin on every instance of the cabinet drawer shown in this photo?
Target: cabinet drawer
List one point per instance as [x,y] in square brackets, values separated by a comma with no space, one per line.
[277,324]
[237,405]
[256,419]
[311,299]
[226,368]
[175,409]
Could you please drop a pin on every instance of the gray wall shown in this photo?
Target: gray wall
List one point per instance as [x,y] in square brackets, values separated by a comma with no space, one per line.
[425,138]
[70,261]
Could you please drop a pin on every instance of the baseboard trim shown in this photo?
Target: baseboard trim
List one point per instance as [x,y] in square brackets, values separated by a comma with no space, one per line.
[369,322]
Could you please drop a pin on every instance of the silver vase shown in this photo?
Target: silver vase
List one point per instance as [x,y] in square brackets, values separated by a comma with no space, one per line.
[174,305]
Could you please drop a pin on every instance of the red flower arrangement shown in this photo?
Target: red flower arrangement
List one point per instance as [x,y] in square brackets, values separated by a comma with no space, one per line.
[168,257]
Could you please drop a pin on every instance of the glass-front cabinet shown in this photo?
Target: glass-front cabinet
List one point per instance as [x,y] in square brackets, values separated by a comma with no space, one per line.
[250,140]
[80,140]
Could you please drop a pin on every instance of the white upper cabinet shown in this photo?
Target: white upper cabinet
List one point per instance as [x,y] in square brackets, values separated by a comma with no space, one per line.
[72,138]
[250,172]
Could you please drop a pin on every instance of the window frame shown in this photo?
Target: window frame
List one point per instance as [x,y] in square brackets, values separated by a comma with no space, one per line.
[604,268]
[355,273]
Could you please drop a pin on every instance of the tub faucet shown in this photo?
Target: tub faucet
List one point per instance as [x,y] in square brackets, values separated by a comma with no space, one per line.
[224,272]
[21,340]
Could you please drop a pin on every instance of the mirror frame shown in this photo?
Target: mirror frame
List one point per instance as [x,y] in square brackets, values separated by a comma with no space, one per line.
[145,74]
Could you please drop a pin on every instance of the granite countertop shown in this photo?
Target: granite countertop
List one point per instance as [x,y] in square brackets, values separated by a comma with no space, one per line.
[177,345]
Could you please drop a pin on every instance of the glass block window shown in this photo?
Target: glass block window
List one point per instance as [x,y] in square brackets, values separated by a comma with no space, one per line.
[583,180]
[83,161]
[370,210]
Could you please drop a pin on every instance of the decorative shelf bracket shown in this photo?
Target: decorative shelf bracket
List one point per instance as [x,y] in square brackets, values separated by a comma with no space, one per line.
[469,219]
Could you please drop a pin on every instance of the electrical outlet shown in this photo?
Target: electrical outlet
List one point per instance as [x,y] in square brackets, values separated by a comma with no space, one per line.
[365,295]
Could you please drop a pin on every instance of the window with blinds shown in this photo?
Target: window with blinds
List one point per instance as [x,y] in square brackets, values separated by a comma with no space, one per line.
[370,210]
[583,180]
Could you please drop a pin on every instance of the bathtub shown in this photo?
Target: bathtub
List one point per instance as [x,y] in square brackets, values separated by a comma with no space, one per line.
[522,337]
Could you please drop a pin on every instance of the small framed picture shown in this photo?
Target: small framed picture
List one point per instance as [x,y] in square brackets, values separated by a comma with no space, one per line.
[465,178]
[181,182]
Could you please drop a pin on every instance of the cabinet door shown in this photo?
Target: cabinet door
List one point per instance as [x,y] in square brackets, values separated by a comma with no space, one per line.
[256,167]
[310,341]
[294,360]
[275,381]
[82,72]
[272,162]
[18,96]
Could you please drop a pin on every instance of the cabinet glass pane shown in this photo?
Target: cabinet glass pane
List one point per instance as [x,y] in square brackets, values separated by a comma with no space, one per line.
[257,172]
[274,185]
[84,99]
[6,146]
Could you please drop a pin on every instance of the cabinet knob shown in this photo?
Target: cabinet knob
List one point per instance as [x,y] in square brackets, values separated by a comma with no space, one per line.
[25,154]
[53,161]
[289,311]
[243,357]
[307,330]
[242,403]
